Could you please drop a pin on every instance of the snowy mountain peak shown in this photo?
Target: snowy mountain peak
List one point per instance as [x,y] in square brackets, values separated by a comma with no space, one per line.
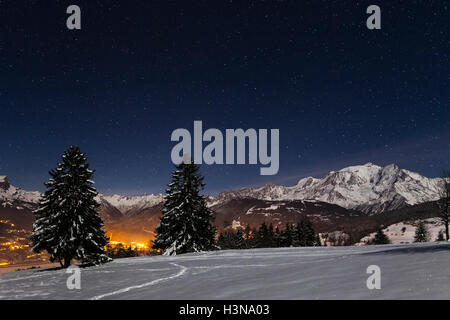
[369,188]
[11,196]
[306,182]
[129,205]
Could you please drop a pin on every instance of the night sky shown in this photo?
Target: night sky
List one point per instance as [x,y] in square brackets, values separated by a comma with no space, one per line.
[339,93]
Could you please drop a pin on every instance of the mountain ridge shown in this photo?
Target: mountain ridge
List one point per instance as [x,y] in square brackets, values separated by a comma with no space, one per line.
[368,188]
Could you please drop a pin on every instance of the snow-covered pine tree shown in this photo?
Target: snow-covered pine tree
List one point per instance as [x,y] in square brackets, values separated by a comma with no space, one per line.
[186,222]
[421,233]
[67,225]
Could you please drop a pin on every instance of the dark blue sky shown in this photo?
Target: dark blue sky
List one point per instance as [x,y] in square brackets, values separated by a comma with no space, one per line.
[339,93]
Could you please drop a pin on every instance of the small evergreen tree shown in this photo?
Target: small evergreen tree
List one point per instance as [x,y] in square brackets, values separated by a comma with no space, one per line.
[67,225]
[225,241]
[421,233]
[317,242]
[270,241]
[263,236]
[440,236]
[239,242]
[287,236]
[186,222]
[277,237]
[221,241]
[306,234]
[299,235]
[231,240]
[380,237]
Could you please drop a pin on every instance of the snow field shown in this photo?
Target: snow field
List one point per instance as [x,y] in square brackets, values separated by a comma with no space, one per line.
[413,271]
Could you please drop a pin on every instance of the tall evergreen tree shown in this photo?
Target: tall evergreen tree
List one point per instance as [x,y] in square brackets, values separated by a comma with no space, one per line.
[421,233]
[67,225]
[186,222]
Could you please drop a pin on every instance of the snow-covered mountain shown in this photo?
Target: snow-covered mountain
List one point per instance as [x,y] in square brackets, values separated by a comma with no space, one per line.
[114,206]
[368,188]
[11,196]
[133,205]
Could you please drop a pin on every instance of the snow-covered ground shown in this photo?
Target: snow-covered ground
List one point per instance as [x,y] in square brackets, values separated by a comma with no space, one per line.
[413,271]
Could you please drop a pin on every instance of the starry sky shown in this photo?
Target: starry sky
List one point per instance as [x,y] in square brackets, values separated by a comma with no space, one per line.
[339,93]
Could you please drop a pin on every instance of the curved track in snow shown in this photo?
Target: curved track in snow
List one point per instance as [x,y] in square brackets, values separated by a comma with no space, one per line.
[415,271]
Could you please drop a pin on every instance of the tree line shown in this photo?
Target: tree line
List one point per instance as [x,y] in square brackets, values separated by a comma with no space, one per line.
[301,234]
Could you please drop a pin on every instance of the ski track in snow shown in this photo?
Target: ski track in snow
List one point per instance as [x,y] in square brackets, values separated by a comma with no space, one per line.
[176,275]
[409,271]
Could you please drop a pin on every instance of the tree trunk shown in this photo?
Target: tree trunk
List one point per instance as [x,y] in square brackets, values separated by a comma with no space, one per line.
[67,262]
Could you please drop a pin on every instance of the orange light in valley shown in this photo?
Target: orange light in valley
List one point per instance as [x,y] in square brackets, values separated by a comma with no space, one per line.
[137,244]
[133,245]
